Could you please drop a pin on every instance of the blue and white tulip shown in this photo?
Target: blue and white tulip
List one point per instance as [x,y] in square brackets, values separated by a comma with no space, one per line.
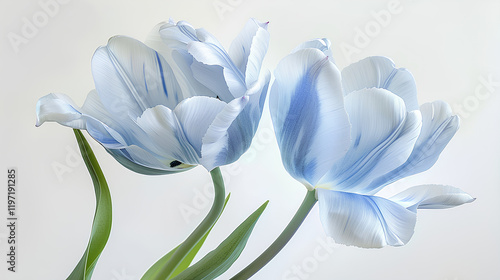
[348,134]
[151,108]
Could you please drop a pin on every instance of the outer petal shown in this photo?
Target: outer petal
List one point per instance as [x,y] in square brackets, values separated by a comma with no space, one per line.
[380,72]
[59,108]
[432,197]
[249,48]
[127,159]
[195,116]
[364,221]
[383,136]
[131,77]
[438,127]
[215,142]
[309,118]
[242,130]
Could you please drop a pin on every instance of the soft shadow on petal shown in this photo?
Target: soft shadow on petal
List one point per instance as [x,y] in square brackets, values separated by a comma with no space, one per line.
[432,197]
[380,72]
[438,127]
[307,109]
[383,136]
[364,221]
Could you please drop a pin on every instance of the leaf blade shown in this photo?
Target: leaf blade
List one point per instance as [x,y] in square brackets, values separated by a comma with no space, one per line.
[221,258]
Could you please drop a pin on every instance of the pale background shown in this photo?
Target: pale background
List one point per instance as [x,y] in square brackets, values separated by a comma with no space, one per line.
[449,46]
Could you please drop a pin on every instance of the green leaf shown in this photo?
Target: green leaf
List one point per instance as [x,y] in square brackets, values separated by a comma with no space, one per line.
[101,226]
[155,268]
[219,260]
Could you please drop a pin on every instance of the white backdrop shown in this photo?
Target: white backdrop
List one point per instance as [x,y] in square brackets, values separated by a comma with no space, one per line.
[451,47]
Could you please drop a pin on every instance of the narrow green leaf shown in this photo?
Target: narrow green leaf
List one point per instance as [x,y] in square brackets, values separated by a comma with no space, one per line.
[101,226]
[155,268]
[219,260]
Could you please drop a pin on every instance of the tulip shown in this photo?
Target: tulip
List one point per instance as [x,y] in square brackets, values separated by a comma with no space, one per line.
[151,110]
[346,135]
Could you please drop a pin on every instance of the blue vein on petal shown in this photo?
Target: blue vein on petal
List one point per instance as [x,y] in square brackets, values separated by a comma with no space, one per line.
[144,75]
[161,73]
[388,81]
[300,100]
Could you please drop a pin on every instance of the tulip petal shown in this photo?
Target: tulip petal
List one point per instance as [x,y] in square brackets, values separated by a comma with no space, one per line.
[172,45]
[165,137]
[383,134]
[364,221]
[215,56]
[431,197]
[242,130]
[310,122]
[215,142]
[438,127]
[380,72]
[131,77]
[56,107]
[124,158]
[320,44]
[249,48]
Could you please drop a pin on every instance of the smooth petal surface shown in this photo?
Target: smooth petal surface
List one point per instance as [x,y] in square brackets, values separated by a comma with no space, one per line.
[364,221]
[383,136]
[308,114]
[131,77]
[431,197]
[380,72]
[438,127]
[248,49]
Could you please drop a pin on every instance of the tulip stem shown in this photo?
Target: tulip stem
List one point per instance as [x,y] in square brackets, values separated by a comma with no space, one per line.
[186,246]
[285,236]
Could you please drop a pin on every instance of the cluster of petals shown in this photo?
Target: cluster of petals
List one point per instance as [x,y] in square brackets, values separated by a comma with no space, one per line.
[348,134]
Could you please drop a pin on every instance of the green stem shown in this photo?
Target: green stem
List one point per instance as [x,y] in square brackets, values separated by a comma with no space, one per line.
[186,246]
[282,240]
